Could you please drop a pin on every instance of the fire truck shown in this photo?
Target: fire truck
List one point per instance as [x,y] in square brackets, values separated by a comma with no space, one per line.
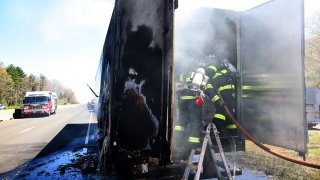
[39,103]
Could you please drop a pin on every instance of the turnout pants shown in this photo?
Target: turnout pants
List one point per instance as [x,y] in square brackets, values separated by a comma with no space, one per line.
[189,114]
[221,119]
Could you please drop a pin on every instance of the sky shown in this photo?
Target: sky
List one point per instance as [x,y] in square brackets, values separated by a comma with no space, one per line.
[63,39]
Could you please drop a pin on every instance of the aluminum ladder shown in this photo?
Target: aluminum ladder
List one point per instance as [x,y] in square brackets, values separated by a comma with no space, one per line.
[217,163]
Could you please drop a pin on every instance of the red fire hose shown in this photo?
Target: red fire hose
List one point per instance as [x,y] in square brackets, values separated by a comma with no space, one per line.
[304,163]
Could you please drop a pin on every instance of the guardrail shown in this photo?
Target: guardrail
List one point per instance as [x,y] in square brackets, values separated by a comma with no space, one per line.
[6,114]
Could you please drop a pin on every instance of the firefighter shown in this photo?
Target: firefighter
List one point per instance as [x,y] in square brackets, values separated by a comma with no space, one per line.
[224,77]
[190,101]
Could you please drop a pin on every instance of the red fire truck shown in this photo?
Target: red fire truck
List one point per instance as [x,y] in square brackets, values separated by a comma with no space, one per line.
[39,103]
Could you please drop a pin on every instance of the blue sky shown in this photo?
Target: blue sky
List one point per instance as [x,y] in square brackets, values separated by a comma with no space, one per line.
[63,39]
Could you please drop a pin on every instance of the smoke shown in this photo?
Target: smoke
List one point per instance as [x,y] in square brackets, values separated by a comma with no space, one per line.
[199,32]
[203,31]
[270,54]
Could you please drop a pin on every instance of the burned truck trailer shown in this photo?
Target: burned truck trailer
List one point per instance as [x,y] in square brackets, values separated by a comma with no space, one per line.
[139,50]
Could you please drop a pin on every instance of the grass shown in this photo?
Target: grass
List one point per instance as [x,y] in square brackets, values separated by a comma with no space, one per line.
[14,106]
[257,159]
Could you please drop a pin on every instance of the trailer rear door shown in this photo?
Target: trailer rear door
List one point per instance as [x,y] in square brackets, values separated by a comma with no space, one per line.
[272,91]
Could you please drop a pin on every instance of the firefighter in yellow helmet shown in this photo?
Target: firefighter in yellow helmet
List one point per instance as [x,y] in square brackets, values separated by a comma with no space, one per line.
[188,126]
[223,75]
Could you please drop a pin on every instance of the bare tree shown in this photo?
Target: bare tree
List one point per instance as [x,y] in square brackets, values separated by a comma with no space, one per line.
[312,51]
[43,82]
[313,24]
[34,82]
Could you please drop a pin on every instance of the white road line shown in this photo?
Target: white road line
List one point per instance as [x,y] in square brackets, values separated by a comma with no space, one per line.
[87,137]
[26,130]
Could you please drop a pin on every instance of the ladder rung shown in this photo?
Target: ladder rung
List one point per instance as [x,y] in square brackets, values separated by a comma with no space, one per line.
[220,164]
[214,147]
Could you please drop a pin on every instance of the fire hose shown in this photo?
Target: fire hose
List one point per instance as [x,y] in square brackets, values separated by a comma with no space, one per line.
[235,121]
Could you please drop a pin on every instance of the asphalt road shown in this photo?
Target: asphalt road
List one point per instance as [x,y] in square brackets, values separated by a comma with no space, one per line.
[22,139]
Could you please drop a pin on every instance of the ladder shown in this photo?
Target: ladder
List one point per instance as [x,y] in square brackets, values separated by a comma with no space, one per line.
[217,163]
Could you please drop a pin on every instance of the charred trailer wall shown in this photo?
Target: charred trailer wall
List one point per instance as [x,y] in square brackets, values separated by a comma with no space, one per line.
[105,84]
[146,43]
[139,48]
[105,78]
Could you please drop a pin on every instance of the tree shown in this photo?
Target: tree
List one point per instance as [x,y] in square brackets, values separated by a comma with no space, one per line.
[34,82]
[43,82]
[14,83]
[313,25]
[68,96]
[312,51]
[55,86]
[16,73]
[6,85]
[65,95]
[312,61]
[20,85]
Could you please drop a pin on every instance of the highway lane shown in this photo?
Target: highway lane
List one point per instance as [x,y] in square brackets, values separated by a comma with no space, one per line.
[22,139]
